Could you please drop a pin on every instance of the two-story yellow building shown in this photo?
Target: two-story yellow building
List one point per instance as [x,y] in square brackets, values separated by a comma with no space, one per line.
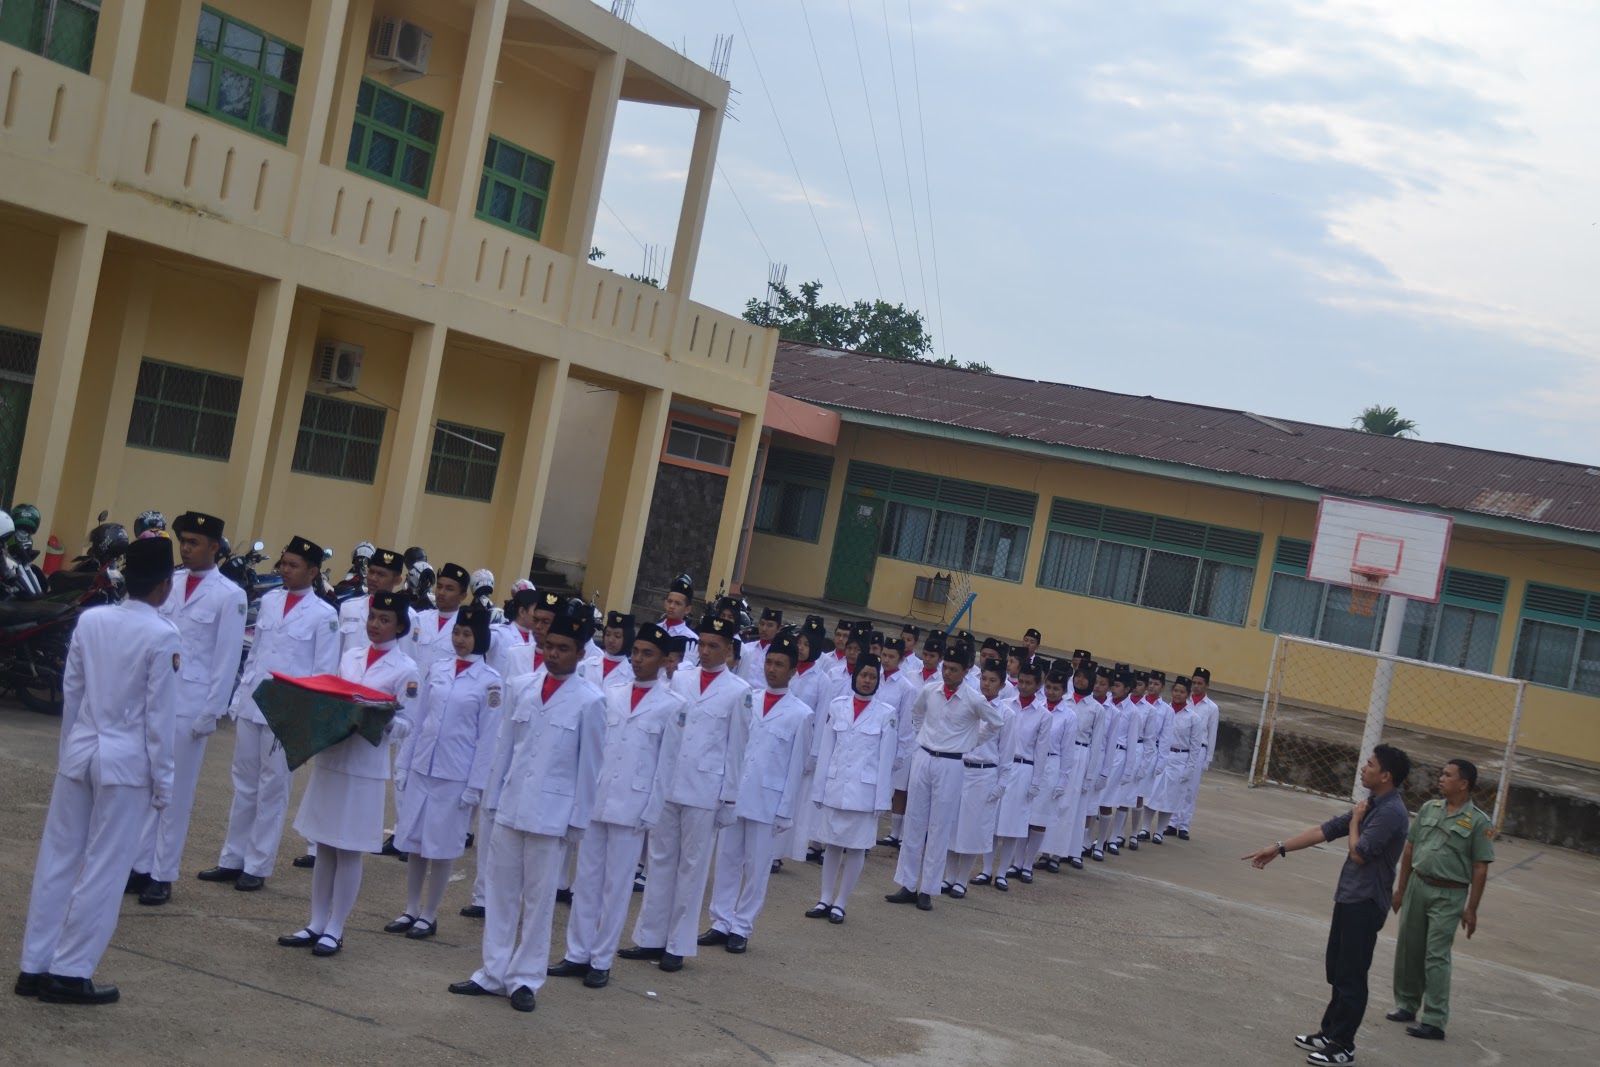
[320,267]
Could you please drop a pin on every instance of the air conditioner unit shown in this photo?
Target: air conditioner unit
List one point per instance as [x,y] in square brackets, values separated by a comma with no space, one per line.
[398,44]
[338,366]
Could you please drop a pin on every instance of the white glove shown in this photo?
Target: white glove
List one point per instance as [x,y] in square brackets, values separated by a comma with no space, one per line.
[782,824]
[725,816]
[471,798]
[995,794]
[811,765]
[399,726]
[574,835]
[1058,792]
[818,803]
[159,801]
[899,762]
[401,776]
[1100,783]
[1086,786]
[1033,790]
[204,726]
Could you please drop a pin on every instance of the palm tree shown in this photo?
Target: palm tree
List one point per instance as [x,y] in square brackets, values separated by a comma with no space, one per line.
[1385,422]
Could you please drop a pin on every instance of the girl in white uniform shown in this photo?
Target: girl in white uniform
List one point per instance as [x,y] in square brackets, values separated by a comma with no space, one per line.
[443,768]
[342,810]
[1032,770]
[854,784]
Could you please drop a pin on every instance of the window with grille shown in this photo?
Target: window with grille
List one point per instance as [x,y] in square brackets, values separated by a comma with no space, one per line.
[694,443]
[243,76]
[393,138]
[947,523]
[464,461]
[794,491]
[59,30]
[184,410]
[515,187]
[1558,639]
[338,439]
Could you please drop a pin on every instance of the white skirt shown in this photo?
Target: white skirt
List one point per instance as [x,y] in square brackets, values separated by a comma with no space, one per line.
[342,810]
[1015,808]
[975,826]
[1168,794]
[431,822]
[847,829]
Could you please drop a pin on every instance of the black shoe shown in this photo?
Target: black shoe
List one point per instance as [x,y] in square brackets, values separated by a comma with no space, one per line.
[737,944]
[469,988]
[1426,1031]
[1313,1042]
[220,874]
[156,893]
[388,848]
[889,841]
[981,879]
[401,925]
[1075,862]
[820,910]
[421,930]
[924,902]
[327,946]
[1133,846]
[1144,835]
[1171,829]
[304,861]
[712,936]
[136,883]
[563,896]
[1096,855]
[1052,865]
[472,911]
[249,883]
[29,983]
[567,969]
[1333,1055]
[1156,839]
[777,865]
[836,915]
[671,961]
[598,977]
[1114,848]
[522,998]
[59,990]
[1400,1015]
[1183,835]
[958,892]
[637,953]
[471,838]
[298,940]
[1025,877]
[814,855]
[904,896]
[1002,884]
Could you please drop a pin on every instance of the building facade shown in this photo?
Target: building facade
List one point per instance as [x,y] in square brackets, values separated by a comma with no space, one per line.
[320,267]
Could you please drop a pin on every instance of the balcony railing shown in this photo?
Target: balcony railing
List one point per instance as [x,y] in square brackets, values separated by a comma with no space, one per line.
[48,111]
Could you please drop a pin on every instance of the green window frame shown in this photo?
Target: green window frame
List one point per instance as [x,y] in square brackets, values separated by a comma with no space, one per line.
[948,523]
[338,439]
[696,443]
[1558,639]
[62,31]
[394,138]
[243,76]
[184,410]
[464,462]
[514,190]
[794,493]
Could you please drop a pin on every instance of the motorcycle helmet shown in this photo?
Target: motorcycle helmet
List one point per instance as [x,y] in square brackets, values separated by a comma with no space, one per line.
[482,582]
[26,517]
[419,579]
[414,555]
[362,552]
[8,526]
[224,551]
[147,521]
[108,541]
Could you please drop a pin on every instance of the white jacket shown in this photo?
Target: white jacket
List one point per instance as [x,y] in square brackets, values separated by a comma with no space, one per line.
[753,663]
[593,669]
[427,643]
[304,643]
[512,652]
[776,746]
[211,628]
[855,771]
[395,673]
[353,623]
[641,747]
[1089,735]
[454,724]
[119,693]
[547,757]
[715,726]
[1034,726]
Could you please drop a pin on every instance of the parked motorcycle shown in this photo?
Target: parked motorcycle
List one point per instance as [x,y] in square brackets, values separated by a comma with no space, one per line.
[36,628]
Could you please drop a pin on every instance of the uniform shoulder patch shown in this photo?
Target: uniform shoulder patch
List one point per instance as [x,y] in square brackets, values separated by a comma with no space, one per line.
[683,716]
[411,690]
[333,625]
[174,663]
[494,696]
[749,699]
[241,606]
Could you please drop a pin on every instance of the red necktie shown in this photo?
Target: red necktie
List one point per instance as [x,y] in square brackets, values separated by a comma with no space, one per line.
[462,664]
[374,654]
[190,586]
[551,684]
[639,692]
[290,600]
[861,705]
[442,621]
[606,667]
[949,694]
[706,678]
[768,701]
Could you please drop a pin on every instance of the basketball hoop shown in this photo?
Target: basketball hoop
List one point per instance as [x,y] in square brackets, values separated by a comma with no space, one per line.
[1365,585]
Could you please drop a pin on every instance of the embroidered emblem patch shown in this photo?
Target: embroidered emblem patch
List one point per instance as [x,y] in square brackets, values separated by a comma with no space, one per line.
[749,700]
[494,696]
[333,626]
[411,690]
[241,607]
[683,716]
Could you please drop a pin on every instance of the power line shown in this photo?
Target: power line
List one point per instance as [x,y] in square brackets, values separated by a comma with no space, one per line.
[624,225]
[843,157]
[762,78]
[905,156]
[883,178]
[927,184]
[746,214]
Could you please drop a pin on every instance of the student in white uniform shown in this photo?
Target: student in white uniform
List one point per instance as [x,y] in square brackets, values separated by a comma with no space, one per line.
[1032,770]
[854,785]
[701,792]
[342,809]
[1184,737]
[753,654]
[386,573]
[208,611]
[1207,712]
[612,666]
[674,619]
[297,634]
[952,720]
[778,742]
[1064,837]
[443,767]
[915,676]
[1059,754]
[833,660]
[432,638]
[1115,768]
[643,732]
[834,686]
[115,763]
[542,789]
[987,771]
[1158,717]
[810,685]
[1030,643]
[1147,724]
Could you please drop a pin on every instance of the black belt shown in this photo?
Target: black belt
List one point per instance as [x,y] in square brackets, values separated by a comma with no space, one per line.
[943,755]
[1122,748]
[1055,753]
[1082,744]
[1019,759]
[978,766]
[1144,740]
[1178,750]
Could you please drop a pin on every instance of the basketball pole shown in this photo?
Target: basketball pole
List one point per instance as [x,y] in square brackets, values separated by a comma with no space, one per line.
[1394,618]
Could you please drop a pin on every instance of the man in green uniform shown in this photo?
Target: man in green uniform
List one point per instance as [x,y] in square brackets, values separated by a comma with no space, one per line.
[1442,874]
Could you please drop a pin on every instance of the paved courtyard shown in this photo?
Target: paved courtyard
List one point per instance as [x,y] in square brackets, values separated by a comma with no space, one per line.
[1179,954]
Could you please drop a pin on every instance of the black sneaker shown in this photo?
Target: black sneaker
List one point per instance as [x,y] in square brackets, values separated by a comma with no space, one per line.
[1333,1055]
[1313,1042]
[889,841]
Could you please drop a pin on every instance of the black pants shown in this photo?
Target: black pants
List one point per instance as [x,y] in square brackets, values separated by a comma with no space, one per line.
[1351,939]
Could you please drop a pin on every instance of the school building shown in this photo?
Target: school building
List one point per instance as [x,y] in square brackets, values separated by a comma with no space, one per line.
[1165,533]
[321,267]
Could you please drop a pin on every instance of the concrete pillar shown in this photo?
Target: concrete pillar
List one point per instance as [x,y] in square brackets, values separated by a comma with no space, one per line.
[730,528]
[518,528]
[274,516]
[351,64]
[116,48]
[74,282]
[583,201]
[413,436]
[124,381]
[639,427]
[188,25]
[463,162]
[313,101]
[696,195]
[258,403]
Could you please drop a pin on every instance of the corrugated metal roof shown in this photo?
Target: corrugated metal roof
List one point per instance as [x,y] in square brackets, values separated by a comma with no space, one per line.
[1328,458]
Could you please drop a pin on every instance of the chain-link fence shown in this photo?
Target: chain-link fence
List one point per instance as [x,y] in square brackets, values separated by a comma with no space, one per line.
[1316,706]
[60,30]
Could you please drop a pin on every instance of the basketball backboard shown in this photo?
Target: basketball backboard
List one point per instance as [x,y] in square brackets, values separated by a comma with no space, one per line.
[1398,551]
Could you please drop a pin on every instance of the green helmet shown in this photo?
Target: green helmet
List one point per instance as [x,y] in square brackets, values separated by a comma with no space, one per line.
[26,517]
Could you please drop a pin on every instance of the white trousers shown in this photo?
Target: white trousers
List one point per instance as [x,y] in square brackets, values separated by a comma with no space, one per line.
[681,844]
[744,865]
[522,899]
[601,892]
[260,800]
[933,803]
[90,840]
[1181,818]
[161,850]
[480,841]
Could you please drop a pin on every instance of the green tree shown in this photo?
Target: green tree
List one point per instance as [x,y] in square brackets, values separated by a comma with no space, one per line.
[1385,422]
[893,331]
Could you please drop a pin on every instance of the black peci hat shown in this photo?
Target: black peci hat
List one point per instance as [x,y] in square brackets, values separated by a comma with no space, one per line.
[682,584]
[458,574]
[309,551]
[772,615]
[652,633]
[148,559]
[1202,673]
[388,559]
[577,625]
[786,644]
[1033,633]
[398,603]
[616,620]
[197,522]
[477,620]
[717,625]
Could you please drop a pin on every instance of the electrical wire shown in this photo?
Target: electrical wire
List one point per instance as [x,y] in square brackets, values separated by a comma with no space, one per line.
[755,232]
[905,155]
[877,148]
[927,184]
[624,225]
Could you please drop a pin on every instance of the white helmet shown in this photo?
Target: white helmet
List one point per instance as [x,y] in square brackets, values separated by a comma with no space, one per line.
[7,526]
[482,581]
[519,585]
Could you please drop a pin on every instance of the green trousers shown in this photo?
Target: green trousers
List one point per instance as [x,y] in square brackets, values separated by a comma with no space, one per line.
[1428,921]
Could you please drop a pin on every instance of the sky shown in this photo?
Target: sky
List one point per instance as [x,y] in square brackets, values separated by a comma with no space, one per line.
[1292,207]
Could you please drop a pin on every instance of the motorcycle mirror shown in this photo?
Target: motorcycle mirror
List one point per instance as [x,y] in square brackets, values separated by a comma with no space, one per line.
[103,515]
[258,547]
[327,553]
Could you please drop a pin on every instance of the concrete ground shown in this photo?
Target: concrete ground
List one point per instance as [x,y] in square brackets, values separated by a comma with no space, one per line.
[1178,954]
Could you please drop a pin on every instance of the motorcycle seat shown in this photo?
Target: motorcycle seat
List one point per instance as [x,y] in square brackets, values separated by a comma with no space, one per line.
[13,612]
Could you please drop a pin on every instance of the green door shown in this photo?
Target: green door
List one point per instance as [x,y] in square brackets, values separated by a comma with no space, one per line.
[855,549]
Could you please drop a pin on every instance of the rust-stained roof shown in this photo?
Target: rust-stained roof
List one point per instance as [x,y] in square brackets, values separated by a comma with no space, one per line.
[1331,459]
